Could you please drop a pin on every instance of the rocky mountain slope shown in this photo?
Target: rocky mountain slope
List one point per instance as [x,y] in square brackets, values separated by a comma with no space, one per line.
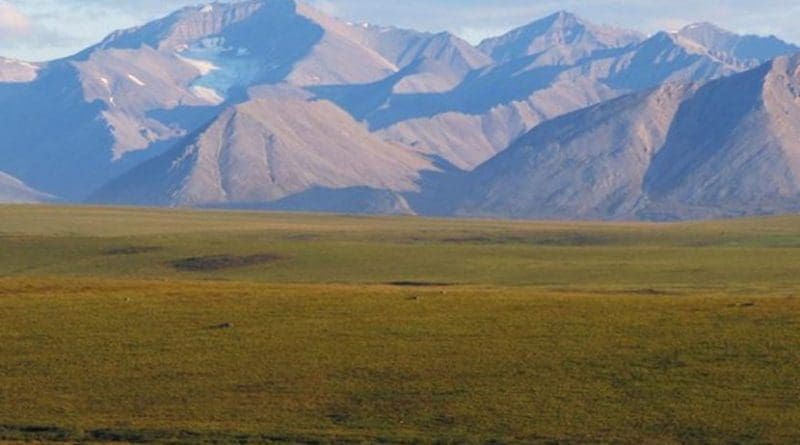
[725,148]
[543,70]
[272,104]
[749,50]
[12,71]
[559,39]
[264,150]
[140,91]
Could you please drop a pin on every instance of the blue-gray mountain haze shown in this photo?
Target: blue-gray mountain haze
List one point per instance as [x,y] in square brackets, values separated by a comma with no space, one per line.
[272,104]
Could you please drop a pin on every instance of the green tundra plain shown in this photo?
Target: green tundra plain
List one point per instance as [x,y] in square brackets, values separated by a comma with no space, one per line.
[166,326]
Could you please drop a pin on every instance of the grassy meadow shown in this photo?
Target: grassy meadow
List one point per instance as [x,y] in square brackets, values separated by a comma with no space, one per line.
[134,325]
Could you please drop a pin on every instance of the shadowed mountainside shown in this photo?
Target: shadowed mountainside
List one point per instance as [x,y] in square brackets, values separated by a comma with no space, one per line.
[725,148]
[252,102]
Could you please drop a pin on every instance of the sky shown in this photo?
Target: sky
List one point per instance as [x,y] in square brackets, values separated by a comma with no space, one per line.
[37,30]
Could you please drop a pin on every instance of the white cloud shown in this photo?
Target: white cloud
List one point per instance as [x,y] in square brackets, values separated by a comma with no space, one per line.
[13,23]
[80,23]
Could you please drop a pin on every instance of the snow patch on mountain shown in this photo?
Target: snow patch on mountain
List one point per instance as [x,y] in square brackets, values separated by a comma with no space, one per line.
[136,80]
[205,67]
[221,67]
[210,95]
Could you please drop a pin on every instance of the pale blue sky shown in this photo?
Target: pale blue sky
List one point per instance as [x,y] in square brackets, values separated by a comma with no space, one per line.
[45,29]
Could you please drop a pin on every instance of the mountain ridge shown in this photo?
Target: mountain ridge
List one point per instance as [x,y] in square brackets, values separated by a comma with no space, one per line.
[181,111]
[265,150]
[12,190]
[726,147]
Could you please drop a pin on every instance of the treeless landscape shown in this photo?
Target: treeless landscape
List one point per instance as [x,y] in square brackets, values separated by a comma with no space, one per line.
[334,329]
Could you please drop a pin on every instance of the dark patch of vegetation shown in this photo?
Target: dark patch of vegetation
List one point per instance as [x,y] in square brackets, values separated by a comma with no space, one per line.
[483,240]
[340,417]
[34,433]
[664,361]
[564,239]
[221,326]
[303,237]
[131,250]
[419,284]
[222,262]
[574,240]
[649,291]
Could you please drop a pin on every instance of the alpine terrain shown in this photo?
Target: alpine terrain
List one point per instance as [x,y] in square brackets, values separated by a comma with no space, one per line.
[729,147]
[271,104]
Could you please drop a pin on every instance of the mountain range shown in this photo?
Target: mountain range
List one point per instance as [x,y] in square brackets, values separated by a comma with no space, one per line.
[270,104]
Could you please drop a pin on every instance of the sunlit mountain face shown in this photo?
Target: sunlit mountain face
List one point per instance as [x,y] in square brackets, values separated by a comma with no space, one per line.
[273,104]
